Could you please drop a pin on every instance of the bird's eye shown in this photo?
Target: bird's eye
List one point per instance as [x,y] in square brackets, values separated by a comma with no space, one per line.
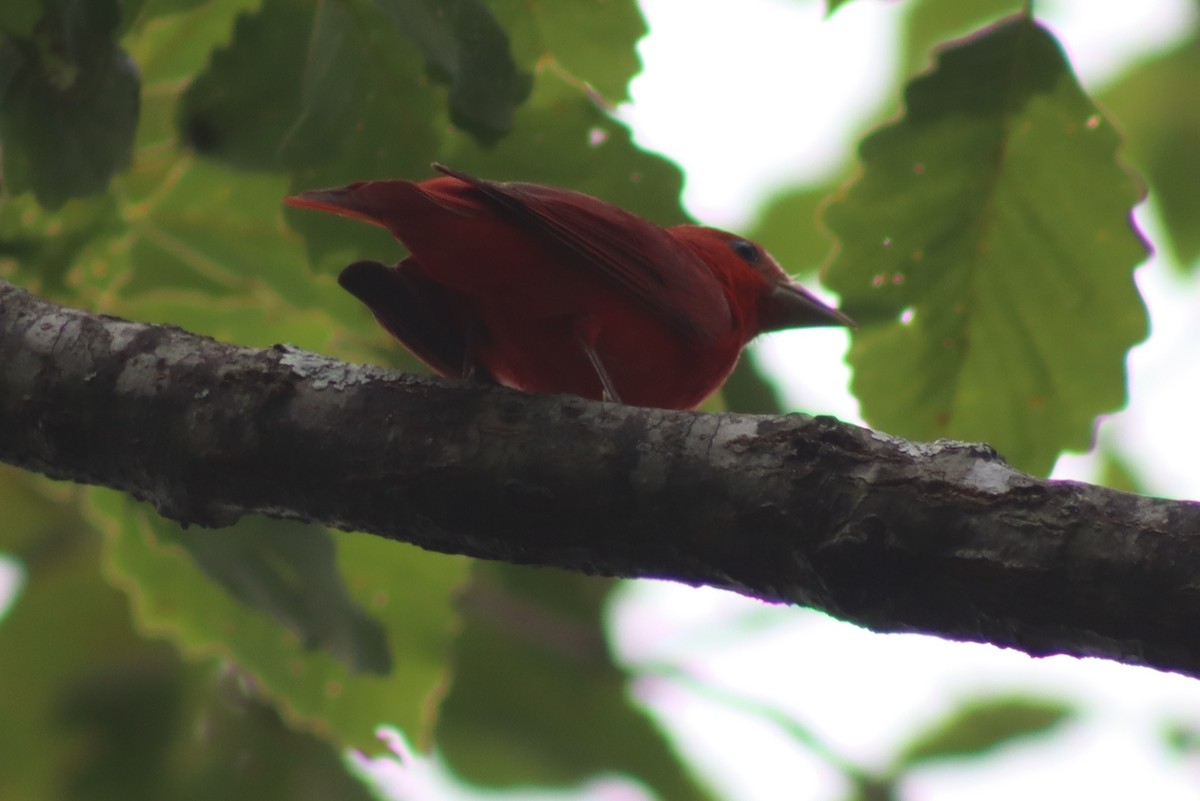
[747,250]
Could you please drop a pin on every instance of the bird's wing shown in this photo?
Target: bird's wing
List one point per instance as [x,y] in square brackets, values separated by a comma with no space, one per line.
[419,313]
[639,257]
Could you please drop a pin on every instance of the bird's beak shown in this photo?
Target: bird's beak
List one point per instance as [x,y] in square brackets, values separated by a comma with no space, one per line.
[792,306]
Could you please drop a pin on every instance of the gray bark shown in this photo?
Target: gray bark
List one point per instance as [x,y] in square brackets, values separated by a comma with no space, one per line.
[941,538]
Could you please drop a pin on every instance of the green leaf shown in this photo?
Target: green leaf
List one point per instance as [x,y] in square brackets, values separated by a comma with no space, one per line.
[68,658]
[272,761]
[986,252]
[789,230]
[561,137]
[466,48]
[242,106]
[289,571]
[183,241]
[360,56]
[219,233]
[1182,738]
[68,103]
[931,23]
[368,109]
[201,245]
[1162,134]
[17,17]
[405,589]
[982,726]
[536,697]
[44,246]
[331,91]
[37,513]
[140,12]
[833,5]
[344,98]
[87,705]
[1116,471]
[94,712]
[591,41]
[173,41]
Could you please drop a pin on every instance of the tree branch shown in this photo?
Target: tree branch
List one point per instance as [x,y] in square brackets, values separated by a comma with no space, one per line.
[940,538]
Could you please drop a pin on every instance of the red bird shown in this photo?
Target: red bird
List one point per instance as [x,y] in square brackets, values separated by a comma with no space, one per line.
[548,290]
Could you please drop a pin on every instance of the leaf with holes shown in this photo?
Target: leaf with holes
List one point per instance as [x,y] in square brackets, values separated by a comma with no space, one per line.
[986,251]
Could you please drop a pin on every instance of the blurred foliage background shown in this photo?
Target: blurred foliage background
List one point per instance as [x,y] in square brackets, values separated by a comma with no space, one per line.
[983,241]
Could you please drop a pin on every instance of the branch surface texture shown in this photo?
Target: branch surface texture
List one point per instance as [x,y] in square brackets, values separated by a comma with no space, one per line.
[940,538]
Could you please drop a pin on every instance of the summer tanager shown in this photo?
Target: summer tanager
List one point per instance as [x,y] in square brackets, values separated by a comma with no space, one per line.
[549,290]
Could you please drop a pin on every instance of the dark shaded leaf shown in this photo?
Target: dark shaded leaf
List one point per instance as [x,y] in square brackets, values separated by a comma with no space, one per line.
[125,711]
[17,17]
[68,103]
[406,589]
[289,571]
[466,48]
[932,23]
[748,391]
[982,726]
[242,106]
[270,760]
[92,711]
[593,42]
[65,645]
[334,62]
[329,92]
[365,98]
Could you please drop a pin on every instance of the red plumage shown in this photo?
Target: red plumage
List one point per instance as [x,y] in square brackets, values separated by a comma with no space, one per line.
[549,290]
